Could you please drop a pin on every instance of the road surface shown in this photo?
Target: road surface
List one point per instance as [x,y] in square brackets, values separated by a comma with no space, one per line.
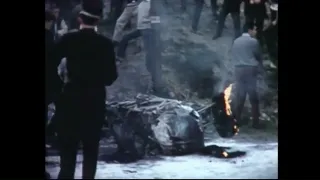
[260,162]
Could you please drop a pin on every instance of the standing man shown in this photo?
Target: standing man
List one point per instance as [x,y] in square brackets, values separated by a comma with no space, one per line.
[80,112]
[59,27]
[229,7]
[197,12]
[271,32]
[148,24]
[53,83]
[247,56]
[257,11]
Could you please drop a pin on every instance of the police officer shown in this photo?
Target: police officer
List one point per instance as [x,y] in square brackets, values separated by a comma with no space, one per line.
[53,83]
[80,111]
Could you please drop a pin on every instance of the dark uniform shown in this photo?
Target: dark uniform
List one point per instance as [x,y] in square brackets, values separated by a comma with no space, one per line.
[80,111]
[233,7]
[53,82]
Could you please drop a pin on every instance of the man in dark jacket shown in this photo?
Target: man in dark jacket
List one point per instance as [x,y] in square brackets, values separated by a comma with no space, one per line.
[271,31]
[80,112]
[53,83]
[257,11]
[232,7]
[247,57]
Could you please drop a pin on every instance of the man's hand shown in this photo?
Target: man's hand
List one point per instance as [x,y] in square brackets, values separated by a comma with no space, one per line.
[61,32]
[274,22]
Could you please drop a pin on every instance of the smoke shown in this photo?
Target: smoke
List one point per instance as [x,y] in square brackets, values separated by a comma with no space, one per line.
[196,58]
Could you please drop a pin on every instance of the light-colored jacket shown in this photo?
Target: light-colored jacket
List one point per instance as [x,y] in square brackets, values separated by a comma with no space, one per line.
[144,21]
[246,51]
[129,13]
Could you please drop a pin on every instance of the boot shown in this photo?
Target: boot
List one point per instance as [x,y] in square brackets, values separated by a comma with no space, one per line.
[258,126]
[47,175]
[216,36]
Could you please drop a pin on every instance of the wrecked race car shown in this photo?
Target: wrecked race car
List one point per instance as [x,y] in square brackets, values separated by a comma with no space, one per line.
[150,125]
[169,127]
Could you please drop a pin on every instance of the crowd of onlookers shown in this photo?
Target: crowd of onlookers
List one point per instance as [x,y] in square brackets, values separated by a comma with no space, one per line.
[121,13]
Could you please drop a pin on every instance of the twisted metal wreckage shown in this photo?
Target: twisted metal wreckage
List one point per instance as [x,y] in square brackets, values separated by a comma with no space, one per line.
[152,125]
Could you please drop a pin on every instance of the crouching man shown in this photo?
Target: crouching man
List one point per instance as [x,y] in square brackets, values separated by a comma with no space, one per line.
[80,111]
[247,56]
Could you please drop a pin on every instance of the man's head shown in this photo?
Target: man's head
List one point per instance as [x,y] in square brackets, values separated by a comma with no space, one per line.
[250,28]
[49,18]
[55,10]
[91,12]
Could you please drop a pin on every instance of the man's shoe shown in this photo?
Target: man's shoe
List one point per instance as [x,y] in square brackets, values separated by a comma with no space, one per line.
[258,126]
[216,37]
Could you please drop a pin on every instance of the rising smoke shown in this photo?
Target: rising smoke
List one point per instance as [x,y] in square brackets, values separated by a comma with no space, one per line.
[198,61]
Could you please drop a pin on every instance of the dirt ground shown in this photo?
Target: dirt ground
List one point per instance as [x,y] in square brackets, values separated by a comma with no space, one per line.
[260,162]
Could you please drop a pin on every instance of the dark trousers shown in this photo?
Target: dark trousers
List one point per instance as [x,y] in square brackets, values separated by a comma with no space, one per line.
[271,39]
[183,4]
[214,8]
[50,96]
[246,83]
[236,22]
[258,21]
[116,9]
[47,175]
[153,55]
[80,116]
[198,9]
[123,44]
